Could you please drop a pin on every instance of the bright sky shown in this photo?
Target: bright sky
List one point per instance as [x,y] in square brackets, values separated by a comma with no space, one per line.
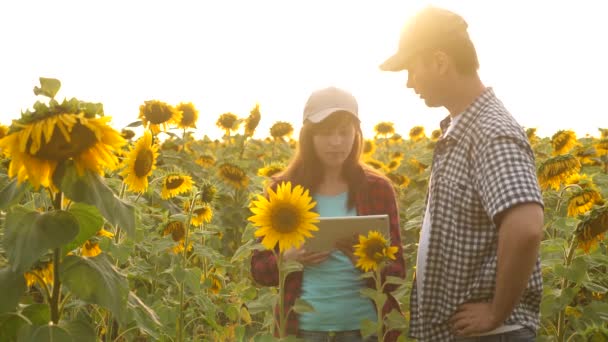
[545,59]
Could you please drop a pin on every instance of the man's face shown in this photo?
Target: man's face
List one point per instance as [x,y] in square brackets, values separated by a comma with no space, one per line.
[424,76]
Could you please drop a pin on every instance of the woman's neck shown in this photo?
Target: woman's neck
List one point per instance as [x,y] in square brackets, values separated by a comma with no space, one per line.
[332,184]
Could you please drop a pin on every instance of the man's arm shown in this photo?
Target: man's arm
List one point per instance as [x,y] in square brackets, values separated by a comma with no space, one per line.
[519,237]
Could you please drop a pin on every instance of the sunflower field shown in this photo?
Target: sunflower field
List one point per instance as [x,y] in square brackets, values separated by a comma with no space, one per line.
[112,235]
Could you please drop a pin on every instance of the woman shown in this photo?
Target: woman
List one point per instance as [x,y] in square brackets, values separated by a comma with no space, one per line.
[327,162]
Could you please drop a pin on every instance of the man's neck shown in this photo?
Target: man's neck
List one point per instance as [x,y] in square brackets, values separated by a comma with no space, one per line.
[466,91]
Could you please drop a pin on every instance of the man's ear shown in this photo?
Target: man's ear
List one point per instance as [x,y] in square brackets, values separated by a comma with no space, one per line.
[442,62]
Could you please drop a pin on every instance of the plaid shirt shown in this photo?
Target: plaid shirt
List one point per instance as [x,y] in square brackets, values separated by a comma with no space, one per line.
[380,199]
[483,166]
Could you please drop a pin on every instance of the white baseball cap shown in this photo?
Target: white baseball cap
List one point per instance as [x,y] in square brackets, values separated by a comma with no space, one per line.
[324,102]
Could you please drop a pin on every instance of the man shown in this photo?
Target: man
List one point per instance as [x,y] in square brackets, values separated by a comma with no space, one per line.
[478,269]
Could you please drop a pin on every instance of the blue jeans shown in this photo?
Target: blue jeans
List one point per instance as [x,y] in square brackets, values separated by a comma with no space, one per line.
[334,336]
[521,335]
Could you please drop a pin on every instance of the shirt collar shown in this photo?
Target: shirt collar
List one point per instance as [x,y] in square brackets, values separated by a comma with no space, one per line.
[466,117]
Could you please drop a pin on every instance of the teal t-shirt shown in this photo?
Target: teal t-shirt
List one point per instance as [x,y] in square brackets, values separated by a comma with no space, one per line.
[332,287]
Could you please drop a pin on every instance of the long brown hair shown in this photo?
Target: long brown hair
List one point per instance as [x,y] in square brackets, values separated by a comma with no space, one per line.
[304,169]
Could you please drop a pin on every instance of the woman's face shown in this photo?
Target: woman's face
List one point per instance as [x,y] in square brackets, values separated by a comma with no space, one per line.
[334,143]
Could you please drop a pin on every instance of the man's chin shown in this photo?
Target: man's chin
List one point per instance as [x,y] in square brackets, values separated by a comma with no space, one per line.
[432,104]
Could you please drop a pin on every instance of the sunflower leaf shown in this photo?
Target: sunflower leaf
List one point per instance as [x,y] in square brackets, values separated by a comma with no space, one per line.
[29,234]
[12,286]
[48,87]
[368,328]
[89,220]
[146,318]
[95,280]
[135,124]
[80,330]
[12,193]
[395,320]
[51,333]
[302,306]
[38,314]
[91,189]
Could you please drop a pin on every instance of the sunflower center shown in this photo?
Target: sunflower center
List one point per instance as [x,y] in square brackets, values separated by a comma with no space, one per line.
[158,114]
[374,249]
[187,117]
[58,148]
[285,219]
[174,183]
[143,163]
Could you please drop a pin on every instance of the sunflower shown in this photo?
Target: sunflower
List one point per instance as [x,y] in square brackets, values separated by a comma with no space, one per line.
[202,213]
[603,133]
[417,165]
[563,141]
[38,145]
[435,135]
[398,155]
[384,128]
[140,163]
[216,281]
[286,217]
[592,228]
[3,131]
[127,134]
[205,160]
[233,175]
[178,232]
[376,164]
[556,170]
[585,155]
[581,180]
[281,129]
[158,114]
[90,249]
[395,139]
[582,201]
[531,134]
[271,169]
[208,192]
[602,147]
[369,146]
[399,179]
[176,229]
[393,165]
[252,121]
[228,122]
[41,275]
[175,184]
[104,233]
[417,133]
[189,115]
[373,250]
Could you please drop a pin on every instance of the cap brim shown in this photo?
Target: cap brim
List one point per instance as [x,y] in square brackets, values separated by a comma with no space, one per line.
[396,62]
[323,114]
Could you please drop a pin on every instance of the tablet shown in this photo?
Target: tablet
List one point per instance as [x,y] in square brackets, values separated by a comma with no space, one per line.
[332,229]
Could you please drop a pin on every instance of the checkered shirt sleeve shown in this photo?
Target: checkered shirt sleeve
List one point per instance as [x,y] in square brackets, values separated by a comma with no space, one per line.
[506,175]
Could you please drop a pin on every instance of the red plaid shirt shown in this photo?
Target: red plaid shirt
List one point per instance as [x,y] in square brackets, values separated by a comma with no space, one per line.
[378,199]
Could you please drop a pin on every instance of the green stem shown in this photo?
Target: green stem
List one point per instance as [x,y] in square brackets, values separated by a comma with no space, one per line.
[282,323]
[184,264]
[180,322]
[120,195]
[56,294]
[561,329]
[379,323]
[56,287]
